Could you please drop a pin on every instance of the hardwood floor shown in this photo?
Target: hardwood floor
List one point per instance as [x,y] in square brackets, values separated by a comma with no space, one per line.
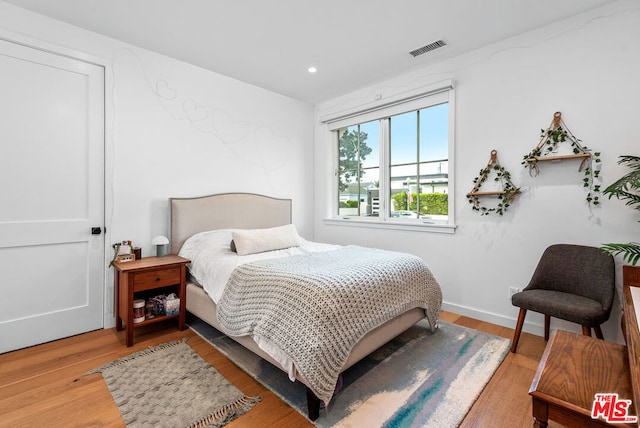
[44,385]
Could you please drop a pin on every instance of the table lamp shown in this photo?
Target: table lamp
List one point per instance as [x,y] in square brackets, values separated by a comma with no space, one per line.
[160,242]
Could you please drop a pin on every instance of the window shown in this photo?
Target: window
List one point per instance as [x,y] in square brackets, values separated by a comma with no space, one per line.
[395,169]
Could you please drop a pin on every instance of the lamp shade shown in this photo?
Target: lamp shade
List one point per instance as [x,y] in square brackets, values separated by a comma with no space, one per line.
[160,242]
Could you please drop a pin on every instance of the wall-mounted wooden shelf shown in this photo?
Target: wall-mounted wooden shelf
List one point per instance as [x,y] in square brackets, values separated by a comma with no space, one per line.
[556,134]
[509,189]
[493,193]
[559,157]
[546,151]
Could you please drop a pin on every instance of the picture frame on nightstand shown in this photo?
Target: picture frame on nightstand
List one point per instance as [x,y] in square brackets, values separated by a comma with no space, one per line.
[121,258]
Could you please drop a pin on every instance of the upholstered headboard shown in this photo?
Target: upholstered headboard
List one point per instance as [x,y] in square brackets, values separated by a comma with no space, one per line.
[225,211]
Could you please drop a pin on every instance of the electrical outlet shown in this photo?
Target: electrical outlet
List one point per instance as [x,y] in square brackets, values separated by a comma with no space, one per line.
[512,291]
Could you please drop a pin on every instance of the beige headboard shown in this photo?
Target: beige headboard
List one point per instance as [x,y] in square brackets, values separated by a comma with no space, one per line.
[225,211]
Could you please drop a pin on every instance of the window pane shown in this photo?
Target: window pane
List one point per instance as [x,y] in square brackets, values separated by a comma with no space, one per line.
[434,133]
[359,198]
[370,184]
[404,187]
[348,170]
[370,144]
[359,142]
[434,163]
[348,193]
[359,157]
[404,138]
[348,147]
[434,177]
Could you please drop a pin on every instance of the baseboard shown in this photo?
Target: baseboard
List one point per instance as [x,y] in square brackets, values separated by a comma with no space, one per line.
[529,327]
[611,328]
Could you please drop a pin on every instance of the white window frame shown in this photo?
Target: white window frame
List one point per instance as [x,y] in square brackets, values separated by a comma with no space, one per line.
[442,92]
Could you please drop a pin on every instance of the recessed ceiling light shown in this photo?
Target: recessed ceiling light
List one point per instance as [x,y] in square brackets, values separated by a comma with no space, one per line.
[312,70]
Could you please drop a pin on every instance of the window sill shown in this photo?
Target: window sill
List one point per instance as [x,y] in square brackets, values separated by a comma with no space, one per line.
[423,226]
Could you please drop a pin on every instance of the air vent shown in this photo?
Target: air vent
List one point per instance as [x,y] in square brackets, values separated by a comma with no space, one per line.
[428,48]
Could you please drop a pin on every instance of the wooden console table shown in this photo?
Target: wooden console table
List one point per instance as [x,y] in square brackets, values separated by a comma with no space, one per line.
[572,370]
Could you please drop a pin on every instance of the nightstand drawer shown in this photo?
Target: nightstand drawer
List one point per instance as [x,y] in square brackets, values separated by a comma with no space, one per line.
[156,278]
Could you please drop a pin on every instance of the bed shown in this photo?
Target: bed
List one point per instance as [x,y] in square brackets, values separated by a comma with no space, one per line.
[215,215]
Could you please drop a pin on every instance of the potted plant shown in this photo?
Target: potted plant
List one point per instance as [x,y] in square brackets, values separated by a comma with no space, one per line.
[626,188]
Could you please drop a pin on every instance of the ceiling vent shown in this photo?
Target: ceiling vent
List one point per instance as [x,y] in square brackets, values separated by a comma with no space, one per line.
[428,48]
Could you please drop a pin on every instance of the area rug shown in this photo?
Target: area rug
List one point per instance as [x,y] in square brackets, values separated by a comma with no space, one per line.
[419,379]
[170,385]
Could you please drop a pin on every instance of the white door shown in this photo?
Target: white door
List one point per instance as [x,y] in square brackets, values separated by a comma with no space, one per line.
[51,196]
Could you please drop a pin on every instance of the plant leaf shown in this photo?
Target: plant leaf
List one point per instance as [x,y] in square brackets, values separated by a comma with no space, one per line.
[630,251]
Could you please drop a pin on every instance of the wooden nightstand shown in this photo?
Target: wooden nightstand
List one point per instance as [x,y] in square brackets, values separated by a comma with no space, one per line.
[144,278]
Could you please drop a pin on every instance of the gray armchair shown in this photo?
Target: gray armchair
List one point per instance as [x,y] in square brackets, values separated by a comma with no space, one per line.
[571,282]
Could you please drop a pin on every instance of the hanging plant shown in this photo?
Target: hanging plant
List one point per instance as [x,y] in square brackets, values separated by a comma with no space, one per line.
[505,196]
[550,139]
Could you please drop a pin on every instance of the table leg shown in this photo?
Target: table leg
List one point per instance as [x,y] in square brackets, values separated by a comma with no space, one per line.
[117,301]
[183,298]
[128,280]
[129,336]
[540,413]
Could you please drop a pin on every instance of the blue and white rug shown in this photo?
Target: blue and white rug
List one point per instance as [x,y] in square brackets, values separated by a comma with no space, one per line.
[418,379]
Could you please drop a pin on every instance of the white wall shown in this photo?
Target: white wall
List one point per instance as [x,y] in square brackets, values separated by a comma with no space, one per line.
[588,68]
[175,130]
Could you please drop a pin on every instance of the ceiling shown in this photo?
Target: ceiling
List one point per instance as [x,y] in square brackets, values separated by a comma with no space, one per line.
[271,44]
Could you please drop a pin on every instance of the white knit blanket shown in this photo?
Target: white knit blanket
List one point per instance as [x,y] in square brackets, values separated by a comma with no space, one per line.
[316,307]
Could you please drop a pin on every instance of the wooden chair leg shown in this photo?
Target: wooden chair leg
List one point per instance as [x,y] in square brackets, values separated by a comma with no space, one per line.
[516,334]
[547,326]
[598,331]
[586,330]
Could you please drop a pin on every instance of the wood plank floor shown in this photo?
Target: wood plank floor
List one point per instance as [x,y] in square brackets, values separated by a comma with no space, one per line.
[44,385]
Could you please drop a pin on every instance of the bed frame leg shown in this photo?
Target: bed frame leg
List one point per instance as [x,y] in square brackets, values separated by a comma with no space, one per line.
[313,405]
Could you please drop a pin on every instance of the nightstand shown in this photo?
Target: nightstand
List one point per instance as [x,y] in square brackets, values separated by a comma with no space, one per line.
[145,277]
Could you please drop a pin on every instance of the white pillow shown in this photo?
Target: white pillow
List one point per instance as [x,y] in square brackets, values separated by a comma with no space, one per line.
[253,241]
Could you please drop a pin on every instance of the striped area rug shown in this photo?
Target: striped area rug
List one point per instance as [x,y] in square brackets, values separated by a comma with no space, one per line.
[416,380]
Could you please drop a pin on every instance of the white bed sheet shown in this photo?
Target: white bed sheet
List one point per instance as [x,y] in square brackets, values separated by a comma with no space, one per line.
[212,260]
